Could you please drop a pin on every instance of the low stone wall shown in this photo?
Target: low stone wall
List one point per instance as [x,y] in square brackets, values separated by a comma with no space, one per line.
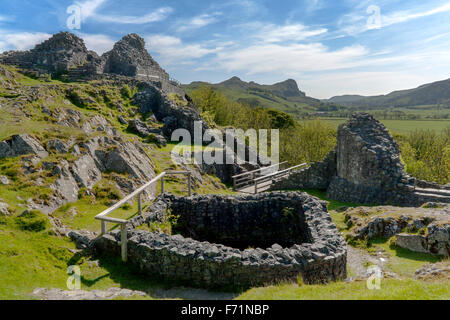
[319,258]
[316,176]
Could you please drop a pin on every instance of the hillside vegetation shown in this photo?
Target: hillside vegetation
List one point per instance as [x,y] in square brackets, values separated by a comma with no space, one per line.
[284,96]
[426,153]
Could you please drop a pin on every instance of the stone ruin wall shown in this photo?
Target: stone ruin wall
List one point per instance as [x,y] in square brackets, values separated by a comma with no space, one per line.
[365,167]
[318,257]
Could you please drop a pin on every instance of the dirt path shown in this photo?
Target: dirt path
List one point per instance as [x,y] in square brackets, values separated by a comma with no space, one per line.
[359,260]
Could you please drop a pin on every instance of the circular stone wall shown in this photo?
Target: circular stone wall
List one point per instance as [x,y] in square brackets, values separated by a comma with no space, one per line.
[239,241]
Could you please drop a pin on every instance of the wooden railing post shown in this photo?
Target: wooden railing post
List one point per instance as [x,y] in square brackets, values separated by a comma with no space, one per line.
[189,184]
[140,203]
[124,241]
[103,228]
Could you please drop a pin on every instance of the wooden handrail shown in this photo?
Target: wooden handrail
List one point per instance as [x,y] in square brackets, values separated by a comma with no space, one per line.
[103,217]
[254,171]
[279,172]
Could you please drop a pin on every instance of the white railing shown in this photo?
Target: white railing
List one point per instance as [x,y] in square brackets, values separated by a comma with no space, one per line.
[247,178]
[103,217]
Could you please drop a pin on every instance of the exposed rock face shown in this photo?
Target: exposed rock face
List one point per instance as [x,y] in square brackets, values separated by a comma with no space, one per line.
[365,168]
[59,53]
[130,58]
[66,53]
[321,258]
[422,229]
[21,145]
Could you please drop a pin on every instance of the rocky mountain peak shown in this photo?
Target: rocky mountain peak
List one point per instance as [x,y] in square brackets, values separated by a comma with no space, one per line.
[134,41]
[62,41]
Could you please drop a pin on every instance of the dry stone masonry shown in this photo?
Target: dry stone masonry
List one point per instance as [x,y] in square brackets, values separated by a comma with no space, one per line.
[238,241]
[365,167]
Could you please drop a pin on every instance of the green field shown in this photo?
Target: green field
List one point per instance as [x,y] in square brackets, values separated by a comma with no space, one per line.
[401,126]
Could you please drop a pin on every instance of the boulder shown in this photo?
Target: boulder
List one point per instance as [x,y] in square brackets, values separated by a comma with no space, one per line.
[85,171]
[58,146]
[413,242]
[22,144]
[4,209]
[4,180]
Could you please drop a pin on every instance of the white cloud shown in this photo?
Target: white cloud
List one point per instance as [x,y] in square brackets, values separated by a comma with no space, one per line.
[199,21]
[98,42]
[291,32]
[89,9]
[403,16]
[21,40]
[173,51]
[290,59]
[158,15]
[355,23]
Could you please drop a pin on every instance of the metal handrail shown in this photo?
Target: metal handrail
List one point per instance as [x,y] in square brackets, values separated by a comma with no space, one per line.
[103,216]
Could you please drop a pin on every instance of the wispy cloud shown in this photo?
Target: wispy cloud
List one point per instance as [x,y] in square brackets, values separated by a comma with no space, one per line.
[291,32]
[199,21]
[89,9]
[21,40]
[99,43]
[158,15]
[356,22]
[173,51]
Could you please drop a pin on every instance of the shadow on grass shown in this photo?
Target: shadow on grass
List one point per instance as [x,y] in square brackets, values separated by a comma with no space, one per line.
[407,254]
[332,204]
[131,277]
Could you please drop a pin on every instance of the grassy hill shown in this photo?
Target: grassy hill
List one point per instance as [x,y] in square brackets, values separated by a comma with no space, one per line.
[284,96]
[436,93]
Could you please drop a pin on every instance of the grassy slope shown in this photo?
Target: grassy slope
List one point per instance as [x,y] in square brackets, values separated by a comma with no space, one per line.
[402,126]
[266,101]
[29,260]
[390,290]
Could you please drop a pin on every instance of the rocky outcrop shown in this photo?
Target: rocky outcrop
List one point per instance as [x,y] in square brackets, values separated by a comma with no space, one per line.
[425,229]
[365,168]
[129,57]
[65,53]
[19,145]
[58,54]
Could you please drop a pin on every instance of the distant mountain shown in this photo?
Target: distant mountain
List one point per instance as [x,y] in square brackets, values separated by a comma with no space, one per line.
[429,94]
[284,96]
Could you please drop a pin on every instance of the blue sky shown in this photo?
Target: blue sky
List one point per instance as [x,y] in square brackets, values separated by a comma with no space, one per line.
[329,47]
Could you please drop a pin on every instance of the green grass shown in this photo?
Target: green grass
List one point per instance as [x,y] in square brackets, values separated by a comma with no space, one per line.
[401,126]
[403,261]
[390,290]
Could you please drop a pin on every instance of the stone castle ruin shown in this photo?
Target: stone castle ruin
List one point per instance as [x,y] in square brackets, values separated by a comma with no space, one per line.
[365,167]
[66,55]
[242,241]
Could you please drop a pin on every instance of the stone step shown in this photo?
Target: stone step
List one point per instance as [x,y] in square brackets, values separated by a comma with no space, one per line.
[434,191]
[434,197]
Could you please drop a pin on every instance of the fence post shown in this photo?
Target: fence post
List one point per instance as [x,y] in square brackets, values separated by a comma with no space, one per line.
[256,187]
[189,184]
[234,184]
[162,185]
[124,240]
[140,203]
[103,227]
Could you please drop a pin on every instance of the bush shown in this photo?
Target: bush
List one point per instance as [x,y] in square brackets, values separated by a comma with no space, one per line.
[34,221]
